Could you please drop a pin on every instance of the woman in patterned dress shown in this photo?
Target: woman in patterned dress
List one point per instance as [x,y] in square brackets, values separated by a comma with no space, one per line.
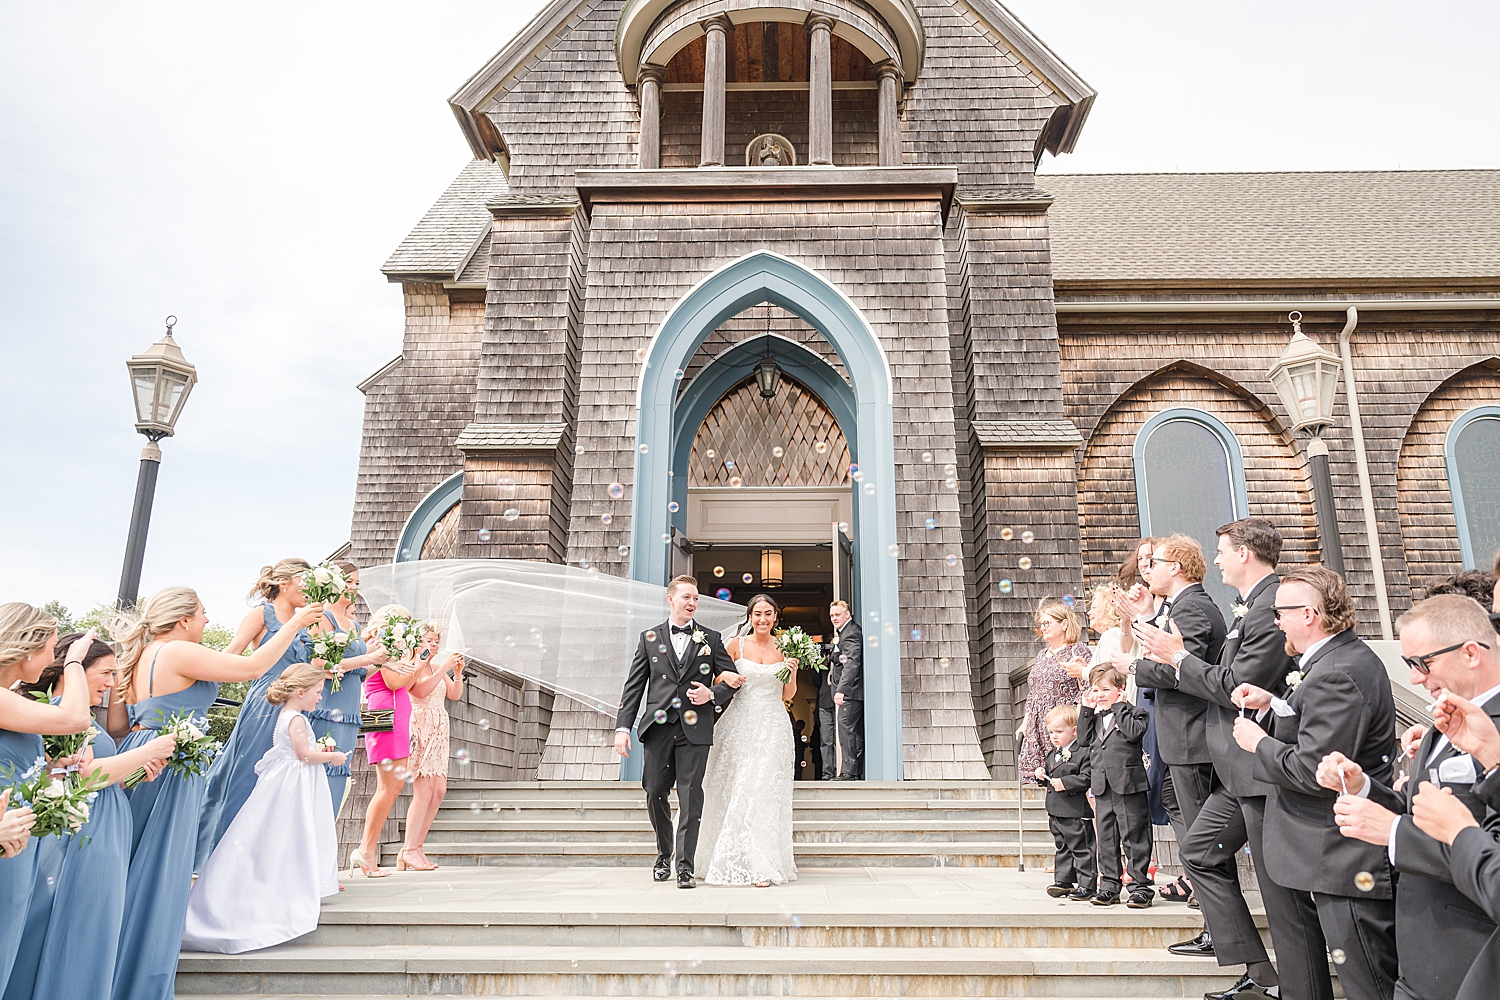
[1053,681]
[429,747]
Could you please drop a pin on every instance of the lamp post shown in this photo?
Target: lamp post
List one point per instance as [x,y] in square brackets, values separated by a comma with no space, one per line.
[1306,378]
[160,380]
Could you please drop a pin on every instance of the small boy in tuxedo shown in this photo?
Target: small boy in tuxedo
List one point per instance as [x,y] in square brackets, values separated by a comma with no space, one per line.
[1066,775]
[1112,729]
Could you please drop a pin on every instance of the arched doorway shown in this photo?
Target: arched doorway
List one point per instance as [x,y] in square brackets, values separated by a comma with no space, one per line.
[667,425]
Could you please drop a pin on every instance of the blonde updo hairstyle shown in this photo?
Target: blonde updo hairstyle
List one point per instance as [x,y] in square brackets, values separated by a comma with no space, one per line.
[137,628]
[268,587]
[380,617]
[294,680]
[23,631]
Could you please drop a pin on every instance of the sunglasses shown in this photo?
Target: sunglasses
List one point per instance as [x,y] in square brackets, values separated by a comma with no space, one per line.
[1165,562]
[1294,607]
[1419,663]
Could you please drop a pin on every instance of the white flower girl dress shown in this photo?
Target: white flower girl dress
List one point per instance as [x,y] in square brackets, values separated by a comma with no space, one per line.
[264,882]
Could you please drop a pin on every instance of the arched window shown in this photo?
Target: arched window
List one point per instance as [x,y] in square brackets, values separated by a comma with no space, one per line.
[430,533]
[1189,478]
[1473,454]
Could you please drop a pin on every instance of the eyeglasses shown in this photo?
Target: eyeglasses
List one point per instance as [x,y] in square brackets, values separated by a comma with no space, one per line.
[1294,607]
[1419,663]
[1159,559]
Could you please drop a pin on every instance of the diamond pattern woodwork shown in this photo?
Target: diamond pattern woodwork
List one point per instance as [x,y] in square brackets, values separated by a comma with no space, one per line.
[742,432]
[442,541]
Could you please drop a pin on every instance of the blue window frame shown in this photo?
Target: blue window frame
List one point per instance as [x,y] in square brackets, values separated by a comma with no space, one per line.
[426,514]
[1472,450]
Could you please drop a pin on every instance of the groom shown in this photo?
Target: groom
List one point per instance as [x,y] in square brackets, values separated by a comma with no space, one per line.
[674,667]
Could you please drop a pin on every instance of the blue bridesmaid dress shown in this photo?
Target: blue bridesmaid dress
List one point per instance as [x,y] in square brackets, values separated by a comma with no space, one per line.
[18,751]
[232,777]
[73,930]
[164,835]
[337,715]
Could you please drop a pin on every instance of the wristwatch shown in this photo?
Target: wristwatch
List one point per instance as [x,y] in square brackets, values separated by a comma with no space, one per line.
[1178,657]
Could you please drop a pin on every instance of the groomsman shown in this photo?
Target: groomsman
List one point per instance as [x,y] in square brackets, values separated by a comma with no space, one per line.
[849,690]
[1234,813]
[827,712]
[1450,646]
[1340,702]
[1176,573]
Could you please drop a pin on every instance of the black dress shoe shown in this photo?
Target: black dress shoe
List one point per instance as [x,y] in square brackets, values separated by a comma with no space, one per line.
[1105,898]
[1140,899]
[1201,946]
[1057,889]
[662,871]
[1245,989]
[1081,894]
[685,880]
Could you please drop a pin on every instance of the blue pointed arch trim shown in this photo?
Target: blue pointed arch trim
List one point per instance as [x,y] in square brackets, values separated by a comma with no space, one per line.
[1455,480]
[426,514]
[1220,430]
[756,278]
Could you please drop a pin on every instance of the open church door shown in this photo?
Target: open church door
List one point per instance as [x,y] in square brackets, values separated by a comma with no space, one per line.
[680,560]
[843,565]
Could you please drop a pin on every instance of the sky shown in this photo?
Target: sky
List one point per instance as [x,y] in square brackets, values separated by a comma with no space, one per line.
[248,168]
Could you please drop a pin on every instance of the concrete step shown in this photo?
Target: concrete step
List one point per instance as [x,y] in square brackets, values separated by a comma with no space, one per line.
[479,829]
[861,854]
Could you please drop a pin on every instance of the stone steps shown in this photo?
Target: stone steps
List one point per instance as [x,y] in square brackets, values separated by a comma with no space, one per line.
[920,854]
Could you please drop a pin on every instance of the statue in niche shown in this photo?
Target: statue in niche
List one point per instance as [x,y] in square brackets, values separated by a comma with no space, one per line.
[770,150]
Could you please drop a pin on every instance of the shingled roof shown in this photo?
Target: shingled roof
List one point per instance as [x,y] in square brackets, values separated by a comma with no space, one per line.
[1411,225]
[445,241]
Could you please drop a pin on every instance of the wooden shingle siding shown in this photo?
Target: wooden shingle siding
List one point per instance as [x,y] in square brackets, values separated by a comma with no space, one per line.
[745,429]
[1429,530]
[756,322]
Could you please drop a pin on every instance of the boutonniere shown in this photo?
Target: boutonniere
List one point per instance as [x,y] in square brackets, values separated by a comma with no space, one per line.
[698,635]
[1065,754]
[1241,609]
[1294,679]
[1162,620]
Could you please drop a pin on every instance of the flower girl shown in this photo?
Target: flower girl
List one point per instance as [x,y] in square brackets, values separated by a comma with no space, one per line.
[263,883]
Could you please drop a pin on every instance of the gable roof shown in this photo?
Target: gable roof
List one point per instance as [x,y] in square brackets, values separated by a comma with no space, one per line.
[448,238]
[1402,226]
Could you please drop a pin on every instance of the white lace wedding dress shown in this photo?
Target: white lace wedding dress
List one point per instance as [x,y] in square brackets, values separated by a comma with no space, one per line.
[746,832]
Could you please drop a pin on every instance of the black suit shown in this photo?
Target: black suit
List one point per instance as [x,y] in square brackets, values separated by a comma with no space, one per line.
[1181,718]
[675,733]
[1474,861]
[1343,704]
[850,682]
[1234,813]
[1118,779]
[1439,930]
[1069,815]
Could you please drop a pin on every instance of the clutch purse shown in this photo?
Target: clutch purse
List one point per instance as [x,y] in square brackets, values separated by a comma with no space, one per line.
[379,721]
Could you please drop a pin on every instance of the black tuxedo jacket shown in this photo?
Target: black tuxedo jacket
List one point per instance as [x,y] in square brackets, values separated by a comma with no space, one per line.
[850,679]
[1343,703]
[657,674]
[1475,864]
[1254,653]
[1439,930]
[1181,719]
[1074,773]
[1115,761]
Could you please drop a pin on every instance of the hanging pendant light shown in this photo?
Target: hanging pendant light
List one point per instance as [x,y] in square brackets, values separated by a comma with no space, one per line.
[770,568]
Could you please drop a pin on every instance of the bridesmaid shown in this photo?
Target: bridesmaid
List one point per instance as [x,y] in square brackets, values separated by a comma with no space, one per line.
[232,777]
[385,690]
[429,748]
[164,669]
[28,643]
[338,715]
[73,928]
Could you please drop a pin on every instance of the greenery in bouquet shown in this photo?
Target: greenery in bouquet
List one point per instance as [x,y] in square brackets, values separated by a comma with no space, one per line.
[796,644]
[324,582]
[58,747]
[330,647]
[399,635]
[195,750]
[60,801]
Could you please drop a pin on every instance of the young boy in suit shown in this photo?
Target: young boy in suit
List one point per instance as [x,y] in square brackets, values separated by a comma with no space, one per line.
[1066,775]
[1112,729]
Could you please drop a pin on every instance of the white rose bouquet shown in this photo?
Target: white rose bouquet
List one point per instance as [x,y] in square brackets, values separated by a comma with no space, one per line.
[61,802]
[330,647]
[399,635]
[328,744]
[796,644]
[324,582]
[194,752]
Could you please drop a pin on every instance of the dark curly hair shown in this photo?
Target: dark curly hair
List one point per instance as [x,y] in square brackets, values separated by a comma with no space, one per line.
[98,650]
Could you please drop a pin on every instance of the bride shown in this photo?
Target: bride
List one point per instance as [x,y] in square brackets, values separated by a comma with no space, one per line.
[747,784]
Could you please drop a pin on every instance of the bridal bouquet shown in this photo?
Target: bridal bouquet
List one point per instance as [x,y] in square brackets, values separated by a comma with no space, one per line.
[323,582]
[330,647]
[328,744]
[194,752]
[61,801]
[71,745]
[399,635]
[796,644]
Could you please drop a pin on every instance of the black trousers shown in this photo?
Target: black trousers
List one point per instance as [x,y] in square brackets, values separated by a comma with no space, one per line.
[1124,821]
[1209,857]
[1191,785]
[1074,837]
[671,759]
[1363,933]
[852,736]
[827,748]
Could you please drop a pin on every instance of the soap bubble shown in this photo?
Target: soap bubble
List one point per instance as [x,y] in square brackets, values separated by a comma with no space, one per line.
[606,518]
[583,564]
[748,577]
[718,571]
[644,448]
[778,451]
[950,483]
[950,470]
[690,717]
[710,453]
[578,449]
[676,702]
[916,635]
[927,456]
[484,534]
[857,476]
[678,374]
[406,553]
[729,464]
[821,447]
[666,536]
[703,668]
[1069,600]
[1007,533]
[461,755]
[843,525]
[1028,537]
[874,616]
[484,723]
[736,482]
[869,489]
[505,486]
[474,808]
[673,507]
[616,491]
[930,523]
[944,662]
[951,559]
[1024,562]
[1338,956]
[872,641]
[892,550]
[1364,881]
[624,550]
[511,514]
[640,353]
[723,593]
[661,715]
[661,648]
[1005,586]
[651,635]
[853,469]
[336,715]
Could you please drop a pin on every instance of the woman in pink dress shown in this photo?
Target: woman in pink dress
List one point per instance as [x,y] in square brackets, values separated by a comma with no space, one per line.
[385,690]
[429,745]
[1054,679]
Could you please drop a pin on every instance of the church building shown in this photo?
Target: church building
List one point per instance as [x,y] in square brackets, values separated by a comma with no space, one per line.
[771,292]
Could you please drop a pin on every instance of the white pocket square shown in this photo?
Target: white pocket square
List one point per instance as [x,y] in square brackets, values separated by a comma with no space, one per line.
[1457,771]
[1233,635]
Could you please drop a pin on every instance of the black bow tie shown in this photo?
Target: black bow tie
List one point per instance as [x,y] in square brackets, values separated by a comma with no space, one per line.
[682,629]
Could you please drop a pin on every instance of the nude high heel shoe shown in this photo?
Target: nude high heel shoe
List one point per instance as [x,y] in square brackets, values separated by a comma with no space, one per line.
[359,866]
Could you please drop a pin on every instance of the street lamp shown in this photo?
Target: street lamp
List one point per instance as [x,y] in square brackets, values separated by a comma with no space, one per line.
[160,381]
[1306,378]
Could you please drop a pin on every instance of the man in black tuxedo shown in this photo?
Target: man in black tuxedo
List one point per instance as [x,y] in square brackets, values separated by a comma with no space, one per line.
[828,729]
[849,690]
[674,669]
[1340,702]
[1234,813]
[1450,646]
[1176,574]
